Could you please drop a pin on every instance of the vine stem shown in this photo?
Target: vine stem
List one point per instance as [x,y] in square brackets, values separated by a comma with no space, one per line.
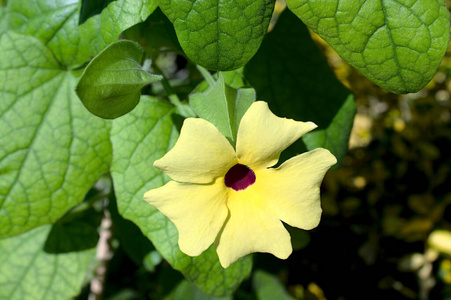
[167,87]
[103,255]
[207,75]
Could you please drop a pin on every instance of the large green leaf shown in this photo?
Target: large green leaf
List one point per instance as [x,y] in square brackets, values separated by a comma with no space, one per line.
[219,35]
[398,44]
[55,23]
[139,138]
[302,89]
[28,271]
[111,84]
[223,106]
[52,149]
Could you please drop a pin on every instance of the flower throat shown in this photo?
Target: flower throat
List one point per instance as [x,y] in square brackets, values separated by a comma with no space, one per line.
[239,177]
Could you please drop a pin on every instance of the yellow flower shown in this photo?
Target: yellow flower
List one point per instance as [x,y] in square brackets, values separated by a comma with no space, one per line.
[233,198]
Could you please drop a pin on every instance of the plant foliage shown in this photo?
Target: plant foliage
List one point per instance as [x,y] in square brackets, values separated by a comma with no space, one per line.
[68,67]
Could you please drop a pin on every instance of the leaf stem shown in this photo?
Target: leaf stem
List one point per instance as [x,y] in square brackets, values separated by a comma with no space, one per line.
[208,77]
[167,87]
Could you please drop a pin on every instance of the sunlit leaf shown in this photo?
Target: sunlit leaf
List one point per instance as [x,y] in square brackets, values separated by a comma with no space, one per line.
[441,241]
[219,35]
[52,149]
[223,106]
[29,270]
[396,44]
[55,23]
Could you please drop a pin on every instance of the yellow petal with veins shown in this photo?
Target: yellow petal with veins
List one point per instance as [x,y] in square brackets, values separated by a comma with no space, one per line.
[200,155]
[251,227]
[197,210]
[262,136]
[293,189]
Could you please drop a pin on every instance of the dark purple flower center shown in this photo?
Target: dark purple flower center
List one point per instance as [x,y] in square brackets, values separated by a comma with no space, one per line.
[239,177]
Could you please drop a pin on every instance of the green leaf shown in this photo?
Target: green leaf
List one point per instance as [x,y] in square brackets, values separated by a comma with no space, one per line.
[3,20]
[55,23]
[52,150]
[111,84]
[299,238]
[268,287]
[185,290]
[396,44]
[223,106]
[102,29]
[302,89]
[219,35]
[139,138]
[28,271]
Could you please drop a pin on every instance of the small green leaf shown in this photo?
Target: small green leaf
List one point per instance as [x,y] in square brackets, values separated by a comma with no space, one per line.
[302,89]
[139,138]
[396,44]
[28,271]
[51,149]
[268,287]
[223,106]
[219,35]
[111,84]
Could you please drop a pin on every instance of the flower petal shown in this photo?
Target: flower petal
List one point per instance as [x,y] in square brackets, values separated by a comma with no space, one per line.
[262,136]
[251,227]
[197,210]
[293,189]
[200,155]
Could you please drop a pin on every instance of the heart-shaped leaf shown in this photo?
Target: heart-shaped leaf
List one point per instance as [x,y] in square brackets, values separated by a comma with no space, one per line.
[51,149]
[219,35]
[111,84]
[223,106]
[398,44]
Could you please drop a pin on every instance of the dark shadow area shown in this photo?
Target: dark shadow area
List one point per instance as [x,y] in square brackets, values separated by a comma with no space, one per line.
[131,238]
[91,8]
[76,231]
